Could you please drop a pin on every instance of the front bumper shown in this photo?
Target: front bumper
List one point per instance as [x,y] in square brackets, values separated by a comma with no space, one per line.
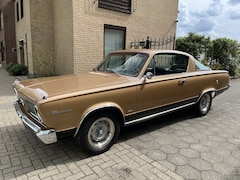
[46,136]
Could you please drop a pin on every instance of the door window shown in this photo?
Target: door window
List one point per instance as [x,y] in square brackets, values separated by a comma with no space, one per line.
[162,64]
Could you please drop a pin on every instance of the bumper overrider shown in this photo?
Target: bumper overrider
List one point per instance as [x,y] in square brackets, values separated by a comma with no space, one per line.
[46,136]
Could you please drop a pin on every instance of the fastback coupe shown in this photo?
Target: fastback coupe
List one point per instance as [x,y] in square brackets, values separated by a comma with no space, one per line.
[127,87]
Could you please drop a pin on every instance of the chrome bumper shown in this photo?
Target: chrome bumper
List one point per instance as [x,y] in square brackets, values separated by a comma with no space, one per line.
[46,136]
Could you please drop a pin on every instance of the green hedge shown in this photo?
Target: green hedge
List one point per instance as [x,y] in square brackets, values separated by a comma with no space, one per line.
[17,69]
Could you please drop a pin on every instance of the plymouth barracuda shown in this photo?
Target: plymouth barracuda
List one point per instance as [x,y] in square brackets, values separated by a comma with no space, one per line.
[127,87]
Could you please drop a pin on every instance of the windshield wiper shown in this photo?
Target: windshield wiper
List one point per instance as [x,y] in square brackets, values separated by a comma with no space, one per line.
[112,71]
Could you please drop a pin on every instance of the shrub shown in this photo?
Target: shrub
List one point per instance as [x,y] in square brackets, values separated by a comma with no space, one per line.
[17,69]
[8,66]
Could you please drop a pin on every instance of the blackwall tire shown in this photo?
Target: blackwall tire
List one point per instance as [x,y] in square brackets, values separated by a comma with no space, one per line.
[204,104]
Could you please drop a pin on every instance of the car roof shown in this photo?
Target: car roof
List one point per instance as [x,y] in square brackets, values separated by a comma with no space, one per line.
[152,51]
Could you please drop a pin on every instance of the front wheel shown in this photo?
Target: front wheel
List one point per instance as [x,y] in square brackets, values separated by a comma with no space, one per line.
[98,133]
[203,105]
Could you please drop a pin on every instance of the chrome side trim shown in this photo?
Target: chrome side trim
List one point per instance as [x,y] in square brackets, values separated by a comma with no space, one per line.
[157,114]
[46,136]
[219,91]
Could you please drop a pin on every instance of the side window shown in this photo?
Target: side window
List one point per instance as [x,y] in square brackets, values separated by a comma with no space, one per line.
[162,64]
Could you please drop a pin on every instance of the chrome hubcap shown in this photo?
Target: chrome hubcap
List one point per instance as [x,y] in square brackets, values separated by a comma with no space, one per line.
[101,132]
[205,102]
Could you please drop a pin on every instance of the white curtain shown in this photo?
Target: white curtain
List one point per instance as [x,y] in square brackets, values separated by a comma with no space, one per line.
[113,40]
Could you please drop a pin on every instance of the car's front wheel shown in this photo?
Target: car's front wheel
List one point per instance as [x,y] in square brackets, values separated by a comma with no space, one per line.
[98,133]
[204,104]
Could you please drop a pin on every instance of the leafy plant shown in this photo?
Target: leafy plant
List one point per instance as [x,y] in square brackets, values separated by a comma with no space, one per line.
[8,66]
[226,53]
[17,69]
[193,43]
[221,53]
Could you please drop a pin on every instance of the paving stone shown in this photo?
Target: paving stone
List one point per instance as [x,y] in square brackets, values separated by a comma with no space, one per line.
[177,159]
[200,164]
[190,139]
[169,149]
[211,175]
[168,165]
[189,153]
[211,157]
[157,155]
[224,168]
[188,172]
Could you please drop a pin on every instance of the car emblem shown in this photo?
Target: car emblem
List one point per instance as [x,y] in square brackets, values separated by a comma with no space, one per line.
[56,112]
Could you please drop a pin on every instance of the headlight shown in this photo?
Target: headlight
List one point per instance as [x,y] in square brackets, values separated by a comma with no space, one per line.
[16,92]
[16,81]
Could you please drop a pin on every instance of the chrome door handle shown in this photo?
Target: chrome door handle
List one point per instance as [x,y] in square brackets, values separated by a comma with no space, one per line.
[181,82]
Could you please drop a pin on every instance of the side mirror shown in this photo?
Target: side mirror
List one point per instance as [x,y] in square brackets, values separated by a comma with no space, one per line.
[149,75]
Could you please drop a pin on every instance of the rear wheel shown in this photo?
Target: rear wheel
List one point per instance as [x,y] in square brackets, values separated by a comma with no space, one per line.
[203,105]
[98,133]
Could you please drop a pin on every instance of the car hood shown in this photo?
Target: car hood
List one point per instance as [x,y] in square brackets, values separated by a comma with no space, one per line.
[70,85]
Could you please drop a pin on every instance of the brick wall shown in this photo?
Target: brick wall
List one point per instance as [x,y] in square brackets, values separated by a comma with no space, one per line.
[23,32]
[10,36]
[152,18]
[42,35]
[63,36]
[7,34]
[36,30]
[75,29]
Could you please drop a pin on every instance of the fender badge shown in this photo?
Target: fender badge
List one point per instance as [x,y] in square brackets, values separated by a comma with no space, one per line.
[56,112]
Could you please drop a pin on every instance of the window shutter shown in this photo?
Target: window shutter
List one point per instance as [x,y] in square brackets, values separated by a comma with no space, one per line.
[124,6]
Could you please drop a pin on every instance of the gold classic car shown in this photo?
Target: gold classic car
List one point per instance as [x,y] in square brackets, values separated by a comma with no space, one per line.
[127,87]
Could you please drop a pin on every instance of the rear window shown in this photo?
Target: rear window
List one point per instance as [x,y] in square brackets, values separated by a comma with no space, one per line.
[200,67]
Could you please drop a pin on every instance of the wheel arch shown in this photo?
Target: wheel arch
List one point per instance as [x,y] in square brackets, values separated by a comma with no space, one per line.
[211,91]
[100,108]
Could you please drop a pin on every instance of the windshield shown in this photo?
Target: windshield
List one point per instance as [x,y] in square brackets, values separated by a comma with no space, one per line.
[128,64]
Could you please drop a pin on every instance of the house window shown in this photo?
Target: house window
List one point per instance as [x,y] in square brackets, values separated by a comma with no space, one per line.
[17,11]
[1,20]
[2,52]
[21,8]
[114,38]
[124,6]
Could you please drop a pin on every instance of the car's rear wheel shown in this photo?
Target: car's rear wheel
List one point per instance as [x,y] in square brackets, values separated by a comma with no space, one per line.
[98,133]
[204,104]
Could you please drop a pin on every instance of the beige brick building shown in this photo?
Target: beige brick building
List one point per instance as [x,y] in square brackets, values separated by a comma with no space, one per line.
[76,34]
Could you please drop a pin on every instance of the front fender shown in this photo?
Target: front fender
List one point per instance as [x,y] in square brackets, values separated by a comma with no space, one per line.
[96,108]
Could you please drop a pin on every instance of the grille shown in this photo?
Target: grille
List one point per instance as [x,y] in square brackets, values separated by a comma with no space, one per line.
[32,109]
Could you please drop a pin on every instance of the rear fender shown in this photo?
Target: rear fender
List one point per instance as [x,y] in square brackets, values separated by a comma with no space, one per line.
[212,91]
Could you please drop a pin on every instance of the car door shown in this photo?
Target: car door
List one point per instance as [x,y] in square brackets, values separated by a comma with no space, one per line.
[167,88]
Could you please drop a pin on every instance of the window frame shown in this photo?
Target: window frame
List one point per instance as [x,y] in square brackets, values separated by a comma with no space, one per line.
[17,11]
[21,9]
[1,20]
[117,28]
